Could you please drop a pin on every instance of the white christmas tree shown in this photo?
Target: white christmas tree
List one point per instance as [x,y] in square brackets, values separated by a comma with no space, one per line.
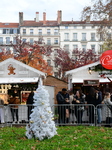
[41,123]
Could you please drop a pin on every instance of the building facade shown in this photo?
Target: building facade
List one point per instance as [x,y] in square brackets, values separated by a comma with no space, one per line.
[68,35]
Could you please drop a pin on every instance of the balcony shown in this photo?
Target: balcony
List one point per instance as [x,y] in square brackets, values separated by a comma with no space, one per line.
[84,40]
[56,43]
[75,40]
[92,40]
[39,34]
[66,40]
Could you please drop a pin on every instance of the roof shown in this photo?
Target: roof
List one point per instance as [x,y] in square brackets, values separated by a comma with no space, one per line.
[22,64]
[33,23]
[14,71]
[9,25]
[80,22]
[81,68]
[40,23]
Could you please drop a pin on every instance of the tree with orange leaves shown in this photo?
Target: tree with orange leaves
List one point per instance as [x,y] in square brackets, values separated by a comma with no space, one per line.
[31,55]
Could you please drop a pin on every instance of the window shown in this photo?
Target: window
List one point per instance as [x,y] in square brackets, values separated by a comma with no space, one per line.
[75,27]
[66,27]
[92,36]
[11,31]
[7,48]
[93,26]
[83,27]
[24,31]
[6,31]
[84,48]
[14,40]
[31,41]
[48,31]
[40,40]
[24,40]
[74,36]
[6,23]
[109,35]
[15,31]
[56,65]
[66,47]
[31,31]
[56,41]
[40,31]
[1,40]
[14,50]
[56,74]
[83,36]
[55,52]
[66,36]
[7,40]
[75,47]
[48,41]
[101,49]
[93,48]
[18,31]
[55,31]
[49,62]
[101,37]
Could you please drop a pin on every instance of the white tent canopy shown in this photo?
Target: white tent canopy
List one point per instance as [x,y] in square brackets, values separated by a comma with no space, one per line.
[80,74]
[14,71]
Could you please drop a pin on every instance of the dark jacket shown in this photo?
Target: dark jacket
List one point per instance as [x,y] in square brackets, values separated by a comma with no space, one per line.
[30,98]
[98,99]
[81,99]
[90,99]
[61,97]
[95,100]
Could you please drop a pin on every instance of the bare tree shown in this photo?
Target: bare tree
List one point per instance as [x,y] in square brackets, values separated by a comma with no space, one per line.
[101,12]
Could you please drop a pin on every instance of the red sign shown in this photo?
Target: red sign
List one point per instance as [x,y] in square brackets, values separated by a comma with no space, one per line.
[106,59]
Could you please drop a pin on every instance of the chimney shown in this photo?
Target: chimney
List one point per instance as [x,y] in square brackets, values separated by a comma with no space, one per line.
[37,17]
[20,18]
[59,18]
[87,19]
[44,18]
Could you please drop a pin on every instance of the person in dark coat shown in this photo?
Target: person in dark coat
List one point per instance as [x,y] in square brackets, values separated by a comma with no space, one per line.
[30,103]
[14,99]
[79,98]
[62,98]
[91,99]
[98,101]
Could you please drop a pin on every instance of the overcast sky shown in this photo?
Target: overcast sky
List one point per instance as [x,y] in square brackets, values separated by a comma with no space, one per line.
[9,9]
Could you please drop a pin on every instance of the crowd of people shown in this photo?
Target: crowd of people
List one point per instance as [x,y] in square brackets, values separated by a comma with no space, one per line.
[80,101]
[71,106]
[14,102]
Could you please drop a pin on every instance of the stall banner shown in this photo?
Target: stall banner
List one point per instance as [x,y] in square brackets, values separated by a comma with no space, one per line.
[106,59]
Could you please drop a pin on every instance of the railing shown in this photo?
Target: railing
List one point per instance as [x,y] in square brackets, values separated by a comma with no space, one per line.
[64,114]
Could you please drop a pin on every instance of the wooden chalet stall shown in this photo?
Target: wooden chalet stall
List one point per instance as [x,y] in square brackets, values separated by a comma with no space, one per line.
[56,84]
[17,75]
[90,75]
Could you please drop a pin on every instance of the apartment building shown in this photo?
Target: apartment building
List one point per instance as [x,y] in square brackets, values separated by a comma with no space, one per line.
[8,32]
